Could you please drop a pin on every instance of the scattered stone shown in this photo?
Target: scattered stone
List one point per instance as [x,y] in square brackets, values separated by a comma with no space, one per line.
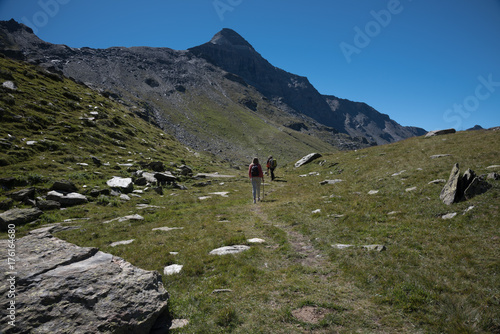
[124,197]
[18,217]
[411,189]
[179,323]
[221,193]
[256,241]
[336,216]
[147,206]
[122,184]
[437,181]
[373,192]
[185,170]
[229,250]
[69,199]
[10,85]
[122,219]
[331,181]
[316,211]
[307,159]
[449,192]
[172,269]
[150,177]
[439,132]
[124,242]
[436,156]
[468,209]
[164,178]
[64,186]
[23,194]
[377,248]
[493,167]
[47,205]
[449,215]
[222,291]
[64,288]
[166,229]
[393,213]
[476,187]
[342,246]
[398,173]
[98,192]
[493,176]
[6,204]
[202,198]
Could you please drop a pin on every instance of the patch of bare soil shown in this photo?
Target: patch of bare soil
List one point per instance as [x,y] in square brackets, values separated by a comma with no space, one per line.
[310,314]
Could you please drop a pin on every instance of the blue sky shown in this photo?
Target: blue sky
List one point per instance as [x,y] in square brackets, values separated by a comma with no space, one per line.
[433,64]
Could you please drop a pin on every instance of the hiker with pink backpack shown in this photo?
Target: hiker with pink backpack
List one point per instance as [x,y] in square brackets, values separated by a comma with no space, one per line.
[257,176]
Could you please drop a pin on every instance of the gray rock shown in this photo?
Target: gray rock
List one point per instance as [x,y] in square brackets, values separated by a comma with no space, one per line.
[377,248]
[307,159]
[69,199]
[493,176]
[18,217]
[64,288]
[185,170]
[123,184]
[123,242]
[172,269]
[48,205]
[96,161]
[150,177]
[331,181]
[157,166]
[439,132]
[476,187]
[10,85]
[23,194]
[229,250]
[436,156]
[64,186]
[164,178]
[449,192]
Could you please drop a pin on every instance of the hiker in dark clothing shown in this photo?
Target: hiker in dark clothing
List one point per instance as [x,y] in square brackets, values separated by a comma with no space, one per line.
[257,176]
[271,165]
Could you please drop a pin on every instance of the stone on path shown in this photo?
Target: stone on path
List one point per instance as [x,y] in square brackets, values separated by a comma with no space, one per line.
[124,242]
[229,250]
[64,288]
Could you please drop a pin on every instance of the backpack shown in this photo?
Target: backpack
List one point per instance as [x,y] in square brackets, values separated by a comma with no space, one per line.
[255,170]
[274,163]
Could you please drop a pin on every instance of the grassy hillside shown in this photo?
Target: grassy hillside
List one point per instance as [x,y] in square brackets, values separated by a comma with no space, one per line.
[435,276]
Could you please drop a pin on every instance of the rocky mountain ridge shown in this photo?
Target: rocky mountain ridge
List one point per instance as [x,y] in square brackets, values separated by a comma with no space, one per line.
[210,97]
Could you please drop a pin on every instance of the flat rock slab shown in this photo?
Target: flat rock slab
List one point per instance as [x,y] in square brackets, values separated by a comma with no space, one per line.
[439,132]
[63,288]
[256,241]
[18,217]
[220,193]
[449,192]
[229,250]
[373,192]
[212,175]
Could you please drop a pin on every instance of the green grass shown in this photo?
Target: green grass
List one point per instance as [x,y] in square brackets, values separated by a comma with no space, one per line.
[436,276]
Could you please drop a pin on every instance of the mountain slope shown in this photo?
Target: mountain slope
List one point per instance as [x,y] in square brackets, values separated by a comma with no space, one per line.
[231,52]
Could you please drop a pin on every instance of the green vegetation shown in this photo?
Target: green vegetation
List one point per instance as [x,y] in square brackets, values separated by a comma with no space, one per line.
[436,275]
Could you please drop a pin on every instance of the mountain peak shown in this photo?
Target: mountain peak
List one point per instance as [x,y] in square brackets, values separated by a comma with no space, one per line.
[229,37]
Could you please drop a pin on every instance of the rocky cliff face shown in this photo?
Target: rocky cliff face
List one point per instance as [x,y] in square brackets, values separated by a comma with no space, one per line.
[209,97]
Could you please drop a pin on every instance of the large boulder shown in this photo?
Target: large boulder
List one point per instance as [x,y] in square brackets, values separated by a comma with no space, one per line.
[308,158]
[450,190]
[63,288]
[64,186]
[18,217]
[123,184]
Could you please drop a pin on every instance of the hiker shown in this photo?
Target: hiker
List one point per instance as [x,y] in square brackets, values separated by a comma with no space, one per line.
[257,176]
[271,165]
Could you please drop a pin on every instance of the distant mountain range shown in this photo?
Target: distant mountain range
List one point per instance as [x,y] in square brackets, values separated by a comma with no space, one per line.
[222,96]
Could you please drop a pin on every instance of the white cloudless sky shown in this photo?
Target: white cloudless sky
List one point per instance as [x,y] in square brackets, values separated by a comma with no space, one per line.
[431,64]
